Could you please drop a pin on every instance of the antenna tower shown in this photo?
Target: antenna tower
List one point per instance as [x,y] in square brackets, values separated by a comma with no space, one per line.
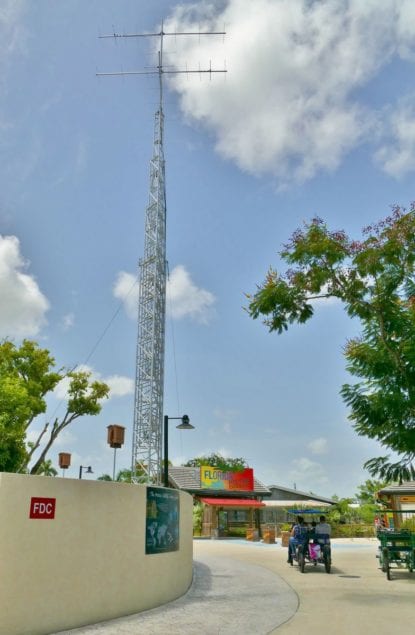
[146,465]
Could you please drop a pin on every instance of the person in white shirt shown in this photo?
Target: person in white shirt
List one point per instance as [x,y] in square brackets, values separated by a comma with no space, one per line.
[323,527]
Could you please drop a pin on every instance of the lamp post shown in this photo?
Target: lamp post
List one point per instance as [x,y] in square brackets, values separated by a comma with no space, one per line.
[184,425]
[88,470]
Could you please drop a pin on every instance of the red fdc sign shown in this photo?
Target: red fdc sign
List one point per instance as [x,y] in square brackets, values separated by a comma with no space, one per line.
[43,508]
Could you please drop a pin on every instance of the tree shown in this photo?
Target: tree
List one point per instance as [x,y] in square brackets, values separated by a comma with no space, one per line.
[367,492]
[374,278]
[46,469]
[123,476]
[217,460]
[27,376]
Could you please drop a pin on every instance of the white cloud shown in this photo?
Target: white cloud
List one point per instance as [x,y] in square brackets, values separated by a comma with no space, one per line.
[318,446]
[308,475]
[184,298]
[289,104]
[23,306]
[126,289]
[397,154]
[119,384]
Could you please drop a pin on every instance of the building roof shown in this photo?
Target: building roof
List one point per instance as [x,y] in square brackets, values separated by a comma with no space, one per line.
[405,488]
[295,504]
[188,478]
[299,494]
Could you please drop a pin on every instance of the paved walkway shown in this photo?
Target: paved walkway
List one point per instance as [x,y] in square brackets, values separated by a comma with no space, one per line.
[227,596]
[242,588]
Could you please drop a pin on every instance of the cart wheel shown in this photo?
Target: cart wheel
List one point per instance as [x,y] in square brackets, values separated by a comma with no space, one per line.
[301,558]
[386,566]
[327,560]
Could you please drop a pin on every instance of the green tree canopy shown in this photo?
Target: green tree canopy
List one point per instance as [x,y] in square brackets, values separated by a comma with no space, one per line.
[374,278]
[123,476]
[366,493]
[219,461]
[27,376]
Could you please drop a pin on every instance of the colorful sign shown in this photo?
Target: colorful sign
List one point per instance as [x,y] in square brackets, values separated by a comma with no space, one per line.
[407,499]
[162,520]
[213,478]
[42,508]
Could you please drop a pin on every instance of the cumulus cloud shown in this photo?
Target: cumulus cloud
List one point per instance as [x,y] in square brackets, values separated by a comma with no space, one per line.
[318,446]
[289,105]
[119,384]
[23,306]
[184,297]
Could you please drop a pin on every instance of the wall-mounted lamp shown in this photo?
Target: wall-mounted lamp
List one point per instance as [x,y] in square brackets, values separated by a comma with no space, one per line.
[115,439]
[64,461]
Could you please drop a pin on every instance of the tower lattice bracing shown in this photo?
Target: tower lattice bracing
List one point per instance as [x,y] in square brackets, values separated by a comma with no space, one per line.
[148,407]
[149,383]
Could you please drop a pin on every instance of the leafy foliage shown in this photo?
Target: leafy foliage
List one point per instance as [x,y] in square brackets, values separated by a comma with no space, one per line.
[123,476]
[375,279]
[27,376]
[366,494]
[217,460]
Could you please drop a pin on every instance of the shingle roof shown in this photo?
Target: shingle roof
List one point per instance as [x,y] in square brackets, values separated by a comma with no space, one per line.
[307,495]
[405,488]
[188,478]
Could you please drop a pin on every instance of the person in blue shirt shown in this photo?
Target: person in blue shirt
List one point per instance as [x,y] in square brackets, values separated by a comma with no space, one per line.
[299,536]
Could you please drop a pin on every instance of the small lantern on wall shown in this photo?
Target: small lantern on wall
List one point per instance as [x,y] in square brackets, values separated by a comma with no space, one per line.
[64,461]
[115,439]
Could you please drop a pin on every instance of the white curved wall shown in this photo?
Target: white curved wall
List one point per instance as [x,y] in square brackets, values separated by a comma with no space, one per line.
[86,565]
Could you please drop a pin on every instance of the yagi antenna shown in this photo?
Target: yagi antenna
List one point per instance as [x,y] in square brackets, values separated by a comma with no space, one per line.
[160,70]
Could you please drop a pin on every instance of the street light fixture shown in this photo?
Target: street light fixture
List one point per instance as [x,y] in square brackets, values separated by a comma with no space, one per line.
[184,425]
[88,470]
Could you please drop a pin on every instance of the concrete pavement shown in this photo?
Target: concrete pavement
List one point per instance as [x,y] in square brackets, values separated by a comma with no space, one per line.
[243,588]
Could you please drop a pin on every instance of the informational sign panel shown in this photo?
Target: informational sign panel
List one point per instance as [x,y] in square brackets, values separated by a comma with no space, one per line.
[162,520]
[42,508]
[213,478]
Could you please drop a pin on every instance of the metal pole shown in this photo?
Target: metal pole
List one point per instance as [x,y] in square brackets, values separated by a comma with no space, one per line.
[80,471]
[166,451]
[113,469]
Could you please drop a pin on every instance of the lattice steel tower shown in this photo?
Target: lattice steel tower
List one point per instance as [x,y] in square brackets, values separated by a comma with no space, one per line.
[149,383]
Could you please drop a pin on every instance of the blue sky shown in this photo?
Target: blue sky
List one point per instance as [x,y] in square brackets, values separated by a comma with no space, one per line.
[316,115]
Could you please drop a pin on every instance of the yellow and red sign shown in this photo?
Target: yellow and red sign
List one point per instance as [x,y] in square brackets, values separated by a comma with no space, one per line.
[214,478]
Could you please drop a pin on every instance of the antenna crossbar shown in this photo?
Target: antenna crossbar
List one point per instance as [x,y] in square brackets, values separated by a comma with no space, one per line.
[155,72]
[163,33]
